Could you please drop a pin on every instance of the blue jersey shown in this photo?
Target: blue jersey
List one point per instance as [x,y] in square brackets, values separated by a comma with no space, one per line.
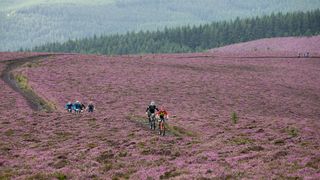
[76,106]
[69,106]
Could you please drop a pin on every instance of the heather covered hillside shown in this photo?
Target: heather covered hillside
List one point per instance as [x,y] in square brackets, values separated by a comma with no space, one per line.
[230,118]
[286,46]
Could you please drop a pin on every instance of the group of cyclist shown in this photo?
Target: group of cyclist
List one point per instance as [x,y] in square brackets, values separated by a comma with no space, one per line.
[79,107]
[304,55]
[152,110]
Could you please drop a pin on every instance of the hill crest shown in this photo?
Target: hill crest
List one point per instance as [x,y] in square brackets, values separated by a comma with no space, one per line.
[291,46]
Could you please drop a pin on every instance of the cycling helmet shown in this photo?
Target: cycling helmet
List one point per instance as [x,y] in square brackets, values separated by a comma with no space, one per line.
[152,103]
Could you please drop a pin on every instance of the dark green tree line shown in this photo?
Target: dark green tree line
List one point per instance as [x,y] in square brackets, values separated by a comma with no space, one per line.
[195,38]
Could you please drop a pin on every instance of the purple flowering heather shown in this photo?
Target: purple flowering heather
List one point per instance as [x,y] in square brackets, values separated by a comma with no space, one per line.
[276,100]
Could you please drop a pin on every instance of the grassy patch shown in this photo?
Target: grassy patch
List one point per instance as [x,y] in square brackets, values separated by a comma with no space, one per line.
[292,131]
[279,142]
[44,176]
[252,148]
[6,174]
[60,163]
[154,140]
[63,135]
[241,141]
[175,130]
[304,144]
[314,163]
[92,145]
[138,118]
[234,118]
[30,138]
[285,177]
[179,131]
[279,154]
[105,157]
[9,132]
[235,175]
[5,148]
[38,176]
[120,175]
[170,174]
[123,154]
[92,122]
[32,64]
[124,175]
[48,105]
[141,145]
[131,135]
[22,81]
[107,167]
[60,176]
[147,151]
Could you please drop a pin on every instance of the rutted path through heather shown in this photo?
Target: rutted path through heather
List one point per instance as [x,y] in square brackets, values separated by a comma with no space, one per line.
[35,102]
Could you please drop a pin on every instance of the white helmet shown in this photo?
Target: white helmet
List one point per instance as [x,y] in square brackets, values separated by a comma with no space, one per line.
[152,103]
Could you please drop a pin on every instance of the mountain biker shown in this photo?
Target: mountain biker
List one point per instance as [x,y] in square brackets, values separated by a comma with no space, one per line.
[69,107]
[152,108]
[163,115]
[90,107]
[82,107]
[77,107]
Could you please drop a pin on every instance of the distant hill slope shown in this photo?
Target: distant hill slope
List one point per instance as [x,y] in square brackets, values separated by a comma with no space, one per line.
[194,39]
[273,46]
[26,23]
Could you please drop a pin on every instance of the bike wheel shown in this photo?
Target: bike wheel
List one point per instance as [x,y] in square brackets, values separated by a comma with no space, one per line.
[163,130]
[150,122]
[153,124]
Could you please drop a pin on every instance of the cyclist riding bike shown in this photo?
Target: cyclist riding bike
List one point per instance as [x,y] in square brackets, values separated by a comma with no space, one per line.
[163,115]
[152,108]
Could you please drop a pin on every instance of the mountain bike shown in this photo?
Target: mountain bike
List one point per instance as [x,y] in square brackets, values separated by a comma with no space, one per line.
[162,127]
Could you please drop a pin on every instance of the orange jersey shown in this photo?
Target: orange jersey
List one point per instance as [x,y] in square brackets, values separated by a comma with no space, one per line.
[162,113]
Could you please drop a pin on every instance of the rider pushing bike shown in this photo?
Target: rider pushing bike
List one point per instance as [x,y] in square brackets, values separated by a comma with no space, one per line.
[152,108]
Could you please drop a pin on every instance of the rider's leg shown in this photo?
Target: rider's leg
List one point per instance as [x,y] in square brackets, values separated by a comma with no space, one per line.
[159,128]
[163,129]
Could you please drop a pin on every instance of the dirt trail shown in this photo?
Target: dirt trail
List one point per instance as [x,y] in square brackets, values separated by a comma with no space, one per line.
[35,102]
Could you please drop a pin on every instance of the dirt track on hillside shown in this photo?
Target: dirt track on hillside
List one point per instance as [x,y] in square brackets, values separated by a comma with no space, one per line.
[35,102]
